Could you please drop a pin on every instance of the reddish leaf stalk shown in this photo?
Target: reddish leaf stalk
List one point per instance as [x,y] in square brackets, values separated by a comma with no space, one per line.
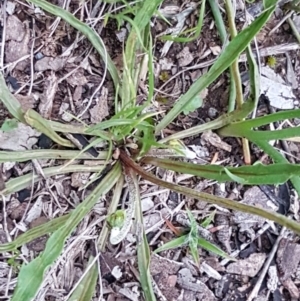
[278,218]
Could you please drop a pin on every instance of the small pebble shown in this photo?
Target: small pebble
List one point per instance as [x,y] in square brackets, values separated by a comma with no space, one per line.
[147,204]
[212,112]
[39,56]
[297,121]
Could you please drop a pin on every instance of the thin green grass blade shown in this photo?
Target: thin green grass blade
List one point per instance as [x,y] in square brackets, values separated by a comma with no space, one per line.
[143,251]
[228,56]
[193,245]
[85,30]
[206,245]
[117,193]
[220,122]
[87,287]
[35,120]
[34,233]
[197,31]
[151,80]
[11,103]
[174,243]
[31,275]
[235,178]
[133,46]
[208,220]
[251,175]
[22,182]
[223,36]
[254,77]
[193,238]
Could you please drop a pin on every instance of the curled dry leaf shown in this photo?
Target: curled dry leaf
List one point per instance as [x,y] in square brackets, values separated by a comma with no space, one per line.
[27,101]
[17,47]
[21,138]
[50,63]
[224,233]
[77,78]
[100,110]
[15,29]
[249,266]
[255,197]
[215,140]
[184,57]
[50,89]
[187,281]
[288,258]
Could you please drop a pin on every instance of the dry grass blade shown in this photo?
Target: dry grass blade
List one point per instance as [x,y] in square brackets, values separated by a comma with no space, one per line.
[31,275]
[22,156]
[143,251]
[22,182]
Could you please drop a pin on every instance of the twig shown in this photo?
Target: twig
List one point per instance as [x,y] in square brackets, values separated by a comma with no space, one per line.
[294,29]
[31,57]
[281,22]
[265,227]
[263,273]
[3,34]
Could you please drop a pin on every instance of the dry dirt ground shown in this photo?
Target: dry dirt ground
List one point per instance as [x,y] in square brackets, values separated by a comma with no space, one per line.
[52,68]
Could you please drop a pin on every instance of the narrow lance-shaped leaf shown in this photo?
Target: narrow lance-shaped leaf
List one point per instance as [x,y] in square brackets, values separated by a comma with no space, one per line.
[143,251]
[254,174]
[22,182]
[226,203]
[206,245]
[34,233]
[228,56]
[31,275]
[174,243]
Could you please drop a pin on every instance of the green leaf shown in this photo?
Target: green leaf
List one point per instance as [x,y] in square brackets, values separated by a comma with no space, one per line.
[279,158]
[193,105]
[143,250]
[212,248]
[11,103]
[253,175]
[86,288]
[34,233]
[116,220]
[175,243]
[235,178]
[227,57]
[193,226]
[9,125]
[193,245]
[226,203]
[31,275]
[208,220]
[147,140]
